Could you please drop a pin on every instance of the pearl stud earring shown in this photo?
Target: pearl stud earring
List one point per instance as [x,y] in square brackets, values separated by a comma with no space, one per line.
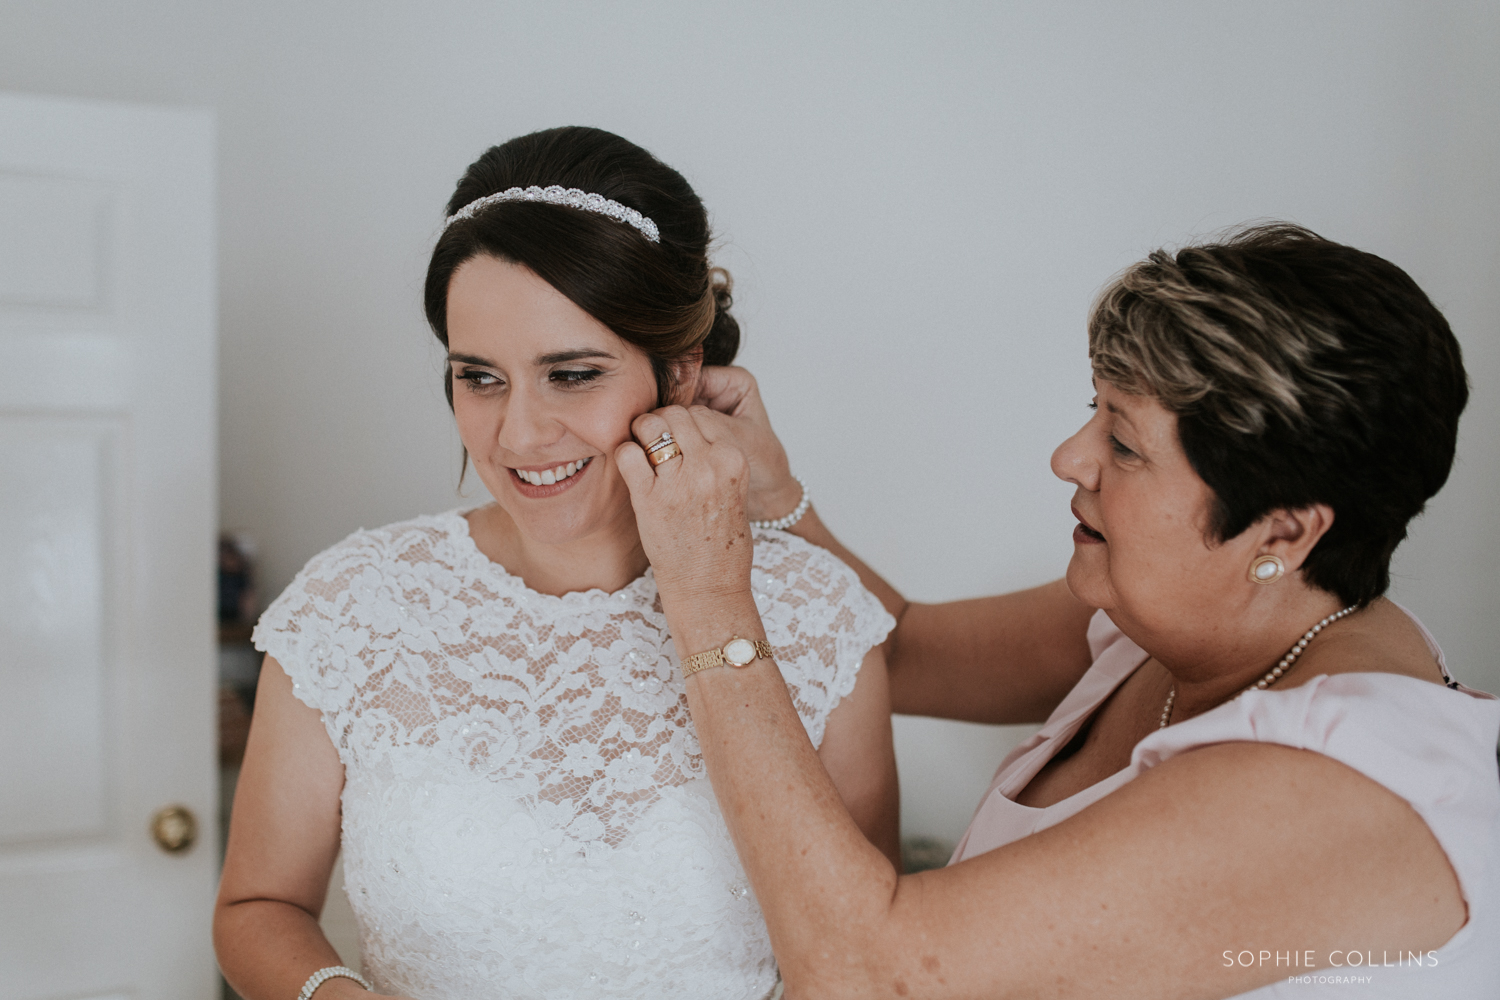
[1267,569]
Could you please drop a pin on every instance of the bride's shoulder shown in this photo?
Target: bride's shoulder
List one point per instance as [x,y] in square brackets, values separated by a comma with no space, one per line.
[784,556]
[365,573]
[788,567]
[820,619]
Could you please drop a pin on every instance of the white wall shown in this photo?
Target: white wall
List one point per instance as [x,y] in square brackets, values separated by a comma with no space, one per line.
[917,204]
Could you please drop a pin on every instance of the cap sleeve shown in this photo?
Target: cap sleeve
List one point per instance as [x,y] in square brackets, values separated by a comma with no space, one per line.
[819,618]
[308,627]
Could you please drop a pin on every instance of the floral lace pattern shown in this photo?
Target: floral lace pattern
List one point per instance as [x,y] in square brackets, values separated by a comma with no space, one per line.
[525,809]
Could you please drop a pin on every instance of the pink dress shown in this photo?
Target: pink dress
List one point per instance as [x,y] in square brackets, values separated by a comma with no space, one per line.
[1434,746]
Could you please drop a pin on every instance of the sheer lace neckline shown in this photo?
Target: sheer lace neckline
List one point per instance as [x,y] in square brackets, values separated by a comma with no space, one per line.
[640,592]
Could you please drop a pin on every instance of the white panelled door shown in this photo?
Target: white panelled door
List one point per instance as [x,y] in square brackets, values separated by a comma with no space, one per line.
[107,372]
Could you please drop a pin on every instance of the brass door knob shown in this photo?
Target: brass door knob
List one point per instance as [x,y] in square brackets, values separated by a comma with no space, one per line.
[174,828]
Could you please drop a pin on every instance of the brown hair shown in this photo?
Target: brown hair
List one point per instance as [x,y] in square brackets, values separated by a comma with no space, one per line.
[1301,371]
[663,298]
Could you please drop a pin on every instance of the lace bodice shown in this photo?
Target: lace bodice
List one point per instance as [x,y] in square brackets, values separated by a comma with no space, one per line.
[525,808]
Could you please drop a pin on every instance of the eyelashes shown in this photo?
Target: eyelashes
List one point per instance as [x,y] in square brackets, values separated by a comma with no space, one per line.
[480,380]
[1114,442]
[575,376]
[477,379]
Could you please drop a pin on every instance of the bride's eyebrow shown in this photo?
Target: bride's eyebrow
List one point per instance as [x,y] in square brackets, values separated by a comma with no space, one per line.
[577,354]
[554,358]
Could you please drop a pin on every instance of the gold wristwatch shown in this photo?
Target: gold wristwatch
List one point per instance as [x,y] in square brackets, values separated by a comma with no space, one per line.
[736,652]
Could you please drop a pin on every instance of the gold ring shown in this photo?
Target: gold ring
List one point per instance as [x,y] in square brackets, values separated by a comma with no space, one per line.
[659,443]
[664,454]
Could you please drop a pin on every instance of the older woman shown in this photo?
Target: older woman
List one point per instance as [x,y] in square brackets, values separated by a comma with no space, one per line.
[1255,772]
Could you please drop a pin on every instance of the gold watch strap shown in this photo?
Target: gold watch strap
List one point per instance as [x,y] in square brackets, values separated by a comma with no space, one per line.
[716,658]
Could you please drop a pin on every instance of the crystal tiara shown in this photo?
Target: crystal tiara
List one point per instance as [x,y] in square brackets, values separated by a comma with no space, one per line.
[558,195]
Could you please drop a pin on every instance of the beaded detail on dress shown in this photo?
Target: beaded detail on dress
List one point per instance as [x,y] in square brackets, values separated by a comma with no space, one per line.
[525,809]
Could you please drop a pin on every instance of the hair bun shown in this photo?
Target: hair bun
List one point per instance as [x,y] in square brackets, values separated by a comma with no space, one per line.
[723,340]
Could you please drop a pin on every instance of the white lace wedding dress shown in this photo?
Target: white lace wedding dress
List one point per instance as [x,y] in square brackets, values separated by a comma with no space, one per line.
[525,808]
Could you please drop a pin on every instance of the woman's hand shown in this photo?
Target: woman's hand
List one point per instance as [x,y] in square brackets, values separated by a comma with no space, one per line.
[690,510]
[728,400]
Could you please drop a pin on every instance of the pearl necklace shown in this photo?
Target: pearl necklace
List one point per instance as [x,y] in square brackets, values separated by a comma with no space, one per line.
[1274,674]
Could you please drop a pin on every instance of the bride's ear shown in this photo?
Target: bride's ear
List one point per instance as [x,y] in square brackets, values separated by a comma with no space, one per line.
[686,373]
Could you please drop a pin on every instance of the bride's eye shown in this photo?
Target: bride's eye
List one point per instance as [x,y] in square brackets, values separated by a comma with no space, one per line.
[575,376]
[478,379]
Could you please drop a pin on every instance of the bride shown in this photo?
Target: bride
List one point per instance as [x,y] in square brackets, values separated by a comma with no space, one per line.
[484,709]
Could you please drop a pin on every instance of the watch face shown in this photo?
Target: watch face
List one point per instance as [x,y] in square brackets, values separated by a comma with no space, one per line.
[739,651]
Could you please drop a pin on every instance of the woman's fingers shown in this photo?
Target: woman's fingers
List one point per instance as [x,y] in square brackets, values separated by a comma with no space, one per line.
[684,430]
[635,469]
[691,509]
[648,427]
[713,425]
[727,390]
[729,409]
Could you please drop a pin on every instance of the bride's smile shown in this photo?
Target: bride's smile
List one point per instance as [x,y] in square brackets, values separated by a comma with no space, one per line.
[538,480]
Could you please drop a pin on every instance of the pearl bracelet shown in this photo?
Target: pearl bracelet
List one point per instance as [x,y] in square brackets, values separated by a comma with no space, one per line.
[323,975]
[783,523]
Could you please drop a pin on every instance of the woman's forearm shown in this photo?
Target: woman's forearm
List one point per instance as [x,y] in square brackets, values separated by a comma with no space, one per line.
[1001,660]
[819,881]
[283,842]
[268,948]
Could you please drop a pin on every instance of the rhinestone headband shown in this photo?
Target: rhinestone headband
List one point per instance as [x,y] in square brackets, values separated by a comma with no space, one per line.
[558,195]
